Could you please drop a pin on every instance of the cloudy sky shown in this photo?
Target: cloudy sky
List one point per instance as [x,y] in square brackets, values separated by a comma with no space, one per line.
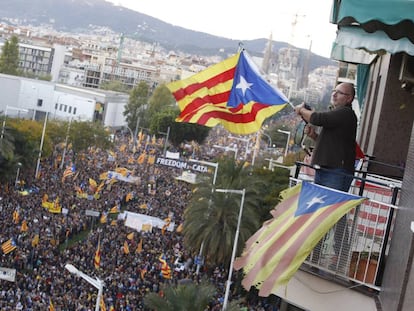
[302,23]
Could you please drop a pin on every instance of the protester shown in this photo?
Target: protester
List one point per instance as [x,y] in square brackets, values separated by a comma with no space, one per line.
[334,152]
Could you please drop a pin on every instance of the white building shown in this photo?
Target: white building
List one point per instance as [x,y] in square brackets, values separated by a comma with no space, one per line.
[61,101]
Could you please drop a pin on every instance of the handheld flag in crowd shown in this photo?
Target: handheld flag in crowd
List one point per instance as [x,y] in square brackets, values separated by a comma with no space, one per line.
[232,93]
[165,268]
[8,246]
[69,171]
[125,247]
[276,251]
[51,306]
[97,257]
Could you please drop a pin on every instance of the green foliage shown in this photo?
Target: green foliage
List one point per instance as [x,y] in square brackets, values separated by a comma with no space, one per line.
[161,100]
[276,181]
[114,85]
[187,296]
[179,132]
[9,59]
[138,102]
[82,135]
[211,217]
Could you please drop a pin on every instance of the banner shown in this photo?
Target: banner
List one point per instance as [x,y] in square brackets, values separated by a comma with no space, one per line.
[8,274]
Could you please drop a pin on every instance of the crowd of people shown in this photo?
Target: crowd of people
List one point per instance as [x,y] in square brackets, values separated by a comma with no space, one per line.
[45,240]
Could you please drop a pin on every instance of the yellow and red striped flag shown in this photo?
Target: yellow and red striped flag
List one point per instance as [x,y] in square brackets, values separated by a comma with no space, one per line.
[97,257]
[232,93]
[51,306]
[276,251]
[165,268]
[102,304]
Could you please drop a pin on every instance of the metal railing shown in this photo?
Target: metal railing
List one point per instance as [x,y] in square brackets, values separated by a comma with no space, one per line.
[365,231]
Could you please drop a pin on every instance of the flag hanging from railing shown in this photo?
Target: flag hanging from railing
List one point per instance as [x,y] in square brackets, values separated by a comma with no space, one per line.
[232,93]
[276,251]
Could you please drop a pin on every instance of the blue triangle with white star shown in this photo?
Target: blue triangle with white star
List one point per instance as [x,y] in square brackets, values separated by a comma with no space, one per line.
[313,197]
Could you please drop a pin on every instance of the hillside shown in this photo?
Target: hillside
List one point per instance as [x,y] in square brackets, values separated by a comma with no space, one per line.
[78,16]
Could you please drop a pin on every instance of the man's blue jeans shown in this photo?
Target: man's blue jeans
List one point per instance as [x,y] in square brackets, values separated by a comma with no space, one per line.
[335,178]
[339,179]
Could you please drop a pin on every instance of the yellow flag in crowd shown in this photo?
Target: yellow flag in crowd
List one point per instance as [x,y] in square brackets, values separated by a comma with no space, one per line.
[15,216]
[114,210]
[141,158]
[126,247]
[97,258]
[139,247]
[24,226]
[179,228]
[151,159]
[35,241]
[129,196]
[104,218]
[102,304]
[167,222]
[130,236]
[51,306]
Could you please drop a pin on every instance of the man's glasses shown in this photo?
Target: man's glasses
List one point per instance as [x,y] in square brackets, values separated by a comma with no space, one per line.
[340,92]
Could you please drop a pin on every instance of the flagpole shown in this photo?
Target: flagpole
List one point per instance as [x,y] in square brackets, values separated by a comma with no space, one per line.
[41,145]
[66,144]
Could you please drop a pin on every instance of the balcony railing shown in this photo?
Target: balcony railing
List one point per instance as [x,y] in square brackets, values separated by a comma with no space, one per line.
[365,234]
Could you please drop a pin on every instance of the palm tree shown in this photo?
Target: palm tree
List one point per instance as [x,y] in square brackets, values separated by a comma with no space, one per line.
[7,155]
[188,296]
[211,217]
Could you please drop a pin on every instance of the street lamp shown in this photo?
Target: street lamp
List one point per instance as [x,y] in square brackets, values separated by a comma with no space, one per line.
[66,144]
[246,140]
[5,116]
[41,145]
[270,140]
[97,283]
[215,165]
[288,139]
[19,165]
[236,238]
[226,148]
[167,135]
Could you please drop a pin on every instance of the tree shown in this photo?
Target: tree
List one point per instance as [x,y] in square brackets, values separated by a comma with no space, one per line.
[211,217]
[114,85]
[9,59]
[82,135]
[179,132]
[135,109]
[160,100]
[185,297]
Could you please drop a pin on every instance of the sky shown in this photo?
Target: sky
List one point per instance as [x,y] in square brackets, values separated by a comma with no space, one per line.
[247,20]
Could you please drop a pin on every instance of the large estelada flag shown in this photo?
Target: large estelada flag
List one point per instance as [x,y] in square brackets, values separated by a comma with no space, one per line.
[276,251]
[8,246]
[232,92]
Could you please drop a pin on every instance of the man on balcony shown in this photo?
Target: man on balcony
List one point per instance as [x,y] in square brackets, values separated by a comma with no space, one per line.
[334,152]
